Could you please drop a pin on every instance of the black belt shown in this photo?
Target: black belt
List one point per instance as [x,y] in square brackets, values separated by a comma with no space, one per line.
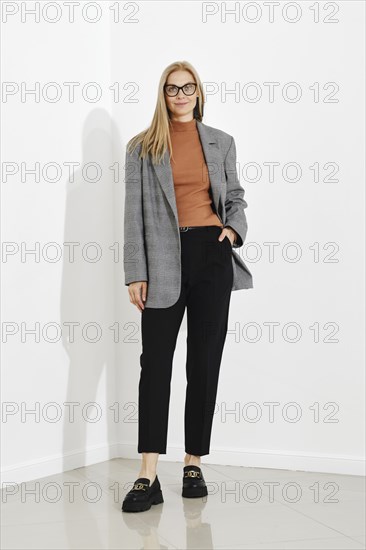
[186,228]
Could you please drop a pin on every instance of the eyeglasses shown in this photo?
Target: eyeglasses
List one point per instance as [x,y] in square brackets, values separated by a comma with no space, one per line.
[172,90]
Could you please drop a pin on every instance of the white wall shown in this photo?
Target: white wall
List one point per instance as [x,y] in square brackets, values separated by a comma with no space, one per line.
[319,297]
[70,209]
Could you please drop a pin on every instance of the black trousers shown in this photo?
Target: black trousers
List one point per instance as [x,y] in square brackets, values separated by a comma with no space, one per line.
[207,278]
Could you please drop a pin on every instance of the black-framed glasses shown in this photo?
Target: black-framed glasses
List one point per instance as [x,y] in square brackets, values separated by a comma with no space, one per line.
[172,90]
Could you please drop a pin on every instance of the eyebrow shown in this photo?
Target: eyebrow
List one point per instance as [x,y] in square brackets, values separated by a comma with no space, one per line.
[171,84]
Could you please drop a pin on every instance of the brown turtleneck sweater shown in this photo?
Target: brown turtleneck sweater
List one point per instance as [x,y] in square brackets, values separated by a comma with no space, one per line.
[190,176]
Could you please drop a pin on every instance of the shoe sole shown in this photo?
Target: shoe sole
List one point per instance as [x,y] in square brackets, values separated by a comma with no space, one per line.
[143,506]
[196,492]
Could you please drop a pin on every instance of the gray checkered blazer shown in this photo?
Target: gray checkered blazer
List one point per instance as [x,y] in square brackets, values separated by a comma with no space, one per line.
[152,248]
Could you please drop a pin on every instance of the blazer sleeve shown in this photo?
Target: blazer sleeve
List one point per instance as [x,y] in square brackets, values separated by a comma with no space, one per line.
[134,254]
[234,203]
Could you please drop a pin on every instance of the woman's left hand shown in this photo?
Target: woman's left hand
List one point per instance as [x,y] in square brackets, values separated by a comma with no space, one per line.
[229,233]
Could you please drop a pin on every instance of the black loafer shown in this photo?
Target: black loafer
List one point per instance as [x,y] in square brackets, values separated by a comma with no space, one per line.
[143,495]
[193,482]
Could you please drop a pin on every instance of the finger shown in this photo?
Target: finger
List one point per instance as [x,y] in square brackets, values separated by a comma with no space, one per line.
[224,233]
[144,287]
[134,301]
[138,301]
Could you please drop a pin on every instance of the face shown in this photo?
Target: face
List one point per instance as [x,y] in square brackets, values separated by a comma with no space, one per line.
[181,106]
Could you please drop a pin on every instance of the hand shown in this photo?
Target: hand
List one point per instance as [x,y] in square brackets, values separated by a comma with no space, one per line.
[137,292]
[229,233]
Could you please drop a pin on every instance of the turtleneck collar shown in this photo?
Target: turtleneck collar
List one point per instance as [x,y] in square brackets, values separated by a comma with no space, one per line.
[179,126]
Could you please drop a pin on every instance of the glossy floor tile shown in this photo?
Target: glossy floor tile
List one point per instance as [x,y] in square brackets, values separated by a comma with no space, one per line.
[253,508]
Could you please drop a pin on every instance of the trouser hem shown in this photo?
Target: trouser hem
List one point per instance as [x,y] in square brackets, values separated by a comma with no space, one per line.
[160,452]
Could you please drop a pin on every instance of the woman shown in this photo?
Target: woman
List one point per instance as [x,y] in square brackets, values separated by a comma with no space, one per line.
[184,215]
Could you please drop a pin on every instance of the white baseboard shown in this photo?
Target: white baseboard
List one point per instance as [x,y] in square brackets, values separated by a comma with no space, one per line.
[307,462]
[346,465]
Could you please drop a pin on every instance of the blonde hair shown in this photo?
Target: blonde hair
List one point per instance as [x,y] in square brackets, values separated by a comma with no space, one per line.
[156,138]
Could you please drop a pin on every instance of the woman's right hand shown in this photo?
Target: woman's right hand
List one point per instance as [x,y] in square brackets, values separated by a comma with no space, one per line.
[137,292]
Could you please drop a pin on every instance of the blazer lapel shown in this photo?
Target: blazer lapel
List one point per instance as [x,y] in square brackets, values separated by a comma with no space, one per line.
[214,165]
[213,159]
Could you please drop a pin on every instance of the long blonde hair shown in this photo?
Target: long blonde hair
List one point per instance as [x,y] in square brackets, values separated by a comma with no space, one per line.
[155,139]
